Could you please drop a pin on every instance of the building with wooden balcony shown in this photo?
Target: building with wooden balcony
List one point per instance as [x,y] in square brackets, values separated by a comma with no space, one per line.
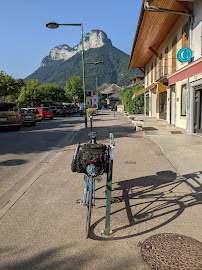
[173,86]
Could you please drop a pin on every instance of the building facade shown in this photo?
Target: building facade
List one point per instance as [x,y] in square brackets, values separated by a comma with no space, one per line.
[173,88]
[91,96]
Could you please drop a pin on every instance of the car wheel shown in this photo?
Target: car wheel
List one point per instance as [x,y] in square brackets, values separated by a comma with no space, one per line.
[51,118]
[33,124]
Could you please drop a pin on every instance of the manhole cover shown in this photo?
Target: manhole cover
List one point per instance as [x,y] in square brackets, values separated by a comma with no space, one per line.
[172,252]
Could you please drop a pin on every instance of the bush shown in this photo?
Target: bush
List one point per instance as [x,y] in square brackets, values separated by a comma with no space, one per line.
[135,106]
[90,112]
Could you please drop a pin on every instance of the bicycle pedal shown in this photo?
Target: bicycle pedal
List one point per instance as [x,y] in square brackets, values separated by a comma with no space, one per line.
[79,201]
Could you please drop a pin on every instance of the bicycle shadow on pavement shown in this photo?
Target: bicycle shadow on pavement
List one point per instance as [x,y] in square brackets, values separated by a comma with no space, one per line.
[145,204]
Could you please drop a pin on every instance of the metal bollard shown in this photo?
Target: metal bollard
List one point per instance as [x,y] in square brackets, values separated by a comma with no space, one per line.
[107,230]
[91,123]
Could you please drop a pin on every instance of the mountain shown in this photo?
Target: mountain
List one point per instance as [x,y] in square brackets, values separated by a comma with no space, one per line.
[64,61]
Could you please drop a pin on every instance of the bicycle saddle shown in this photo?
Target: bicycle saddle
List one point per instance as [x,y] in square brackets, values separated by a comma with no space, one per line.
[93,134]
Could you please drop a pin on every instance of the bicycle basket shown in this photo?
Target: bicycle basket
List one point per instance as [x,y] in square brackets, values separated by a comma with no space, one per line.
[95,154]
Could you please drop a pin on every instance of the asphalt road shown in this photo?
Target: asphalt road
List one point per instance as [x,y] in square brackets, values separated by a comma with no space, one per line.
[25,153]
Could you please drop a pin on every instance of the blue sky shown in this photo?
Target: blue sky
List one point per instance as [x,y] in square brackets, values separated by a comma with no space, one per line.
[25,40]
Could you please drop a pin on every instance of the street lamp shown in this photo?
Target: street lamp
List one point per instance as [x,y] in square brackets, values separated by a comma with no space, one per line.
[53,25]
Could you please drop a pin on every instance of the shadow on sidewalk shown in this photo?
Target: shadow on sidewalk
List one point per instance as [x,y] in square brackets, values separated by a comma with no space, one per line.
[147,204]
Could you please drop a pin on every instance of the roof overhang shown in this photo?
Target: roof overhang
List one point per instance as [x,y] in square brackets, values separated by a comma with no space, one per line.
[153,27]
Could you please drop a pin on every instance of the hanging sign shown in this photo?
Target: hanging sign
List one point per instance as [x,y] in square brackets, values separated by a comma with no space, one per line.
[184,54]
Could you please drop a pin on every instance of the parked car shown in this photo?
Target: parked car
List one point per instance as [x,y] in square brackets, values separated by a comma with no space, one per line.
[28,117]
[45,112]
[74,108]
[57,110]
[10,115]
[67,110]
[35,111]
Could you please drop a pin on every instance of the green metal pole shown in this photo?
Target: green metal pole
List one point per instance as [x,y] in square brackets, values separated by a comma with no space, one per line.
[84,88]
[107,230]
[91,123]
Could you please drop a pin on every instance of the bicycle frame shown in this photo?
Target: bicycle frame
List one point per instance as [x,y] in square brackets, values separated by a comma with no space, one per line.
[91,172]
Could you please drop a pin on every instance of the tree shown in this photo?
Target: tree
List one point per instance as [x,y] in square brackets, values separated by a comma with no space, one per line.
[9,87]
[135,106]
[74,88]
[34,94]
[51,93]
[30,95]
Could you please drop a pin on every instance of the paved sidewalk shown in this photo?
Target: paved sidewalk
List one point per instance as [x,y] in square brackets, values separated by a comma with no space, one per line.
[184,150]
[151,194]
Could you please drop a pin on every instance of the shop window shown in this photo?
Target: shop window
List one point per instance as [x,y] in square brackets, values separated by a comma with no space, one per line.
[163,102]
[183,100]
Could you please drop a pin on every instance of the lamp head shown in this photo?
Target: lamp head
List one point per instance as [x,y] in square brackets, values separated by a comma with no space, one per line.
[99,63]
[52,25]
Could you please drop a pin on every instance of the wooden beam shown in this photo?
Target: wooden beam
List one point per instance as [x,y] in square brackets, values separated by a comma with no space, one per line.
[141,70]
[185,6]
[151,49]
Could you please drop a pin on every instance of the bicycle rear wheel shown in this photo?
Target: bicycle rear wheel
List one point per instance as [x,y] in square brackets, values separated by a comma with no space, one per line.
[89,205]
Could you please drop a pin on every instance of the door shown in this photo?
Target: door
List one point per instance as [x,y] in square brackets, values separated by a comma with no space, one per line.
[198,112]
[172,106]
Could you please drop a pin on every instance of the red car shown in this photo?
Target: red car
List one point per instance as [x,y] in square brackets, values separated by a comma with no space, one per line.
[45,112]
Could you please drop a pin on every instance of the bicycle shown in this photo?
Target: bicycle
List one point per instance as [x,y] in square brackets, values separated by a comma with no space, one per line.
[92,160]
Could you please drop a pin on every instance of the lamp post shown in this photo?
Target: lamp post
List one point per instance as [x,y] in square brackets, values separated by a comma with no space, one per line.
[53,25]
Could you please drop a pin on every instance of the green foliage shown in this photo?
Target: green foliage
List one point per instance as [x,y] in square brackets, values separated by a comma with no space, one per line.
[9,87]
[135,106]
[115,68]
[34,94]
[74,88]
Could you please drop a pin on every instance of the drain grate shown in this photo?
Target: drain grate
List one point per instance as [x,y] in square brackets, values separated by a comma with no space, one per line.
[176,132]
[172,252]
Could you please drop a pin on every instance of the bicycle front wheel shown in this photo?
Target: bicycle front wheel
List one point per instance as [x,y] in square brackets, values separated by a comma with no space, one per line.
[89,203]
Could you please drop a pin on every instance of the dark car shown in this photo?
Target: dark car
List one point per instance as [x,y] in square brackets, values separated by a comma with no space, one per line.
[28,117]
[57,110]
[10,115]
[67,110]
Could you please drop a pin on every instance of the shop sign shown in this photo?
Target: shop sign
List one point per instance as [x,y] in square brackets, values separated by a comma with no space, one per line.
[184,54]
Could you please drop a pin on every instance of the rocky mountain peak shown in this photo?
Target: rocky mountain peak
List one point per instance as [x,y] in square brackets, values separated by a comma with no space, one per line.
[93,39]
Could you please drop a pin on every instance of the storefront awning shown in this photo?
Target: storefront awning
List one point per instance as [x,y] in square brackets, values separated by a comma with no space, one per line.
[161,88]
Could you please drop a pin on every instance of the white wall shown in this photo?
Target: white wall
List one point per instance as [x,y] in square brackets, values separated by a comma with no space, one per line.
[197,30]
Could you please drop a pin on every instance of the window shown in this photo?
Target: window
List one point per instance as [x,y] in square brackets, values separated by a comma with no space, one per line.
[160,65]
[185,35]
[174,54]
[166,61]
[163,102]
[155,63]
[183,100]
[152,73]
